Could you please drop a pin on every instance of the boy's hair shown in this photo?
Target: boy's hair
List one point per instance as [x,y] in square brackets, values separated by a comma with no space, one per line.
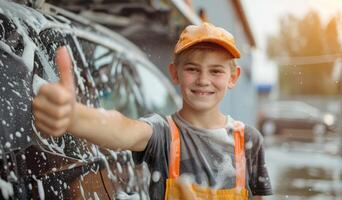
[178,59]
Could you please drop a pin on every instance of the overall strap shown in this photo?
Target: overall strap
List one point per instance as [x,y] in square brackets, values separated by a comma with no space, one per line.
[174,149]
[239,154]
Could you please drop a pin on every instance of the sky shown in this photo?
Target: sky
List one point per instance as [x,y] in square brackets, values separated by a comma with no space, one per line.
[263,16]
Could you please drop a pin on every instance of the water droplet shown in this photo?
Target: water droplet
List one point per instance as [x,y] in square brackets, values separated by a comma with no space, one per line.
[18,134]
[7,145]
[156,176]
[261,179]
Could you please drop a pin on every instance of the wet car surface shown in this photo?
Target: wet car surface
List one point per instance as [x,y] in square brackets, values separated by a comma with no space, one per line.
[110,72]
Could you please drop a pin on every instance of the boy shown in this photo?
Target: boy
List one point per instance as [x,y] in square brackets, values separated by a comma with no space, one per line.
[214,156]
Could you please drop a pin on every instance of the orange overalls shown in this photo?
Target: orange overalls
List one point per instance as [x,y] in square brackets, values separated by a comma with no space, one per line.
[237,193]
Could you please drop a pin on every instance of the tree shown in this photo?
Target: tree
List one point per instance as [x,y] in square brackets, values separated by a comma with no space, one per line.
[305,50]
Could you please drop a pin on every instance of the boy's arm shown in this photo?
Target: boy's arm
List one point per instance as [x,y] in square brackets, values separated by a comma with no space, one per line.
[56,111]
[110,129]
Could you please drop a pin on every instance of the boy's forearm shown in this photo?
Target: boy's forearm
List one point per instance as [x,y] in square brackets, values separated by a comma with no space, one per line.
[109,129]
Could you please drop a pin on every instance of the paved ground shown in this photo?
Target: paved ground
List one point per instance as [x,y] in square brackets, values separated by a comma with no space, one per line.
[305,167]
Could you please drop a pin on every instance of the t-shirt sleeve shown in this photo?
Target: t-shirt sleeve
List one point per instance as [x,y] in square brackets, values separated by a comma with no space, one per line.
[155,154]
[260,183]
[155,149]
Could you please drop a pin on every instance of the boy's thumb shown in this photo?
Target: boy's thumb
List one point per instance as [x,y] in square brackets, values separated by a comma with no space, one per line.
[64,67]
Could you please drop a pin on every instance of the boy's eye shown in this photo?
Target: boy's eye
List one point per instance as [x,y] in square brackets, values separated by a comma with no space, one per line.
[217,71]
[191,69]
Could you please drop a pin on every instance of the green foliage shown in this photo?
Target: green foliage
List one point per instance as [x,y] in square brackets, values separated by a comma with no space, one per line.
[298,47]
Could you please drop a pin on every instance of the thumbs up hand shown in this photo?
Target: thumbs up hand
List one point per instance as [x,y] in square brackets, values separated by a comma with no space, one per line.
[53,107]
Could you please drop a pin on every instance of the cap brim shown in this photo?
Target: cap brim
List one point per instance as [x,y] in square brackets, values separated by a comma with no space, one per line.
[229,47]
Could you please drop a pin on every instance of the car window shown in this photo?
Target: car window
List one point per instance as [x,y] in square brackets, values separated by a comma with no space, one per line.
[160,99]
[115,78]
[126,85]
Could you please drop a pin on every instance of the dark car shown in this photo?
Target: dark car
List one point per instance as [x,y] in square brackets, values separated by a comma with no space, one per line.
[110,72]
[278,116]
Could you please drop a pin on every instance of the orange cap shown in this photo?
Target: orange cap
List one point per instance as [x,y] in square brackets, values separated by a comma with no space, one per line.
[206,32]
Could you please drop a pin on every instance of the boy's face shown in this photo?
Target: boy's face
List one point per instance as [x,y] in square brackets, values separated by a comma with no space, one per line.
[204,77]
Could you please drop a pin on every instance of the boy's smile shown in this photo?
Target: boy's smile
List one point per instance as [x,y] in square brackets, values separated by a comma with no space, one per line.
[202,93]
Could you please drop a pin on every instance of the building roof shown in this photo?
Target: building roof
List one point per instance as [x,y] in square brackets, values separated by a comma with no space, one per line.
[187,11]
[245,24]
[192,17]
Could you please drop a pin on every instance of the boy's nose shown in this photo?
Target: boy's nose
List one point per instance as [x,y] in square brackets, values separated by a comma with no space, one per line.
[203,79]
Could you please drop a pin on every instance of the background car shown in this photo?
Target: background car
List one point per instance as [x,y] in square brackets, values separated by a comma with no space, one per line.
[277,116]
[110,72]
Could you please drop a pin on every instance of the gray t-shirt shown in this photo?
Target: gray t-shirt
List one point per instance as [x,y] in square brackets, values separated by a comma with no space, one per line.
[207,156]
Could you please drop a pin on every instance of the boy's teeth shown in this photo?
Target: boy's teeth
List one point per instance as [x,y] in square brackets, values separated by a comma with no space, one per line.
[203,93]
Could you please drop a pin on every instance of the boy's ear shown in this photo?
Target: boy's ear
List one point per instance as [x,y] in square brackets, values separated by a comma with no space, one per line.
[234,77]
[173,73]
